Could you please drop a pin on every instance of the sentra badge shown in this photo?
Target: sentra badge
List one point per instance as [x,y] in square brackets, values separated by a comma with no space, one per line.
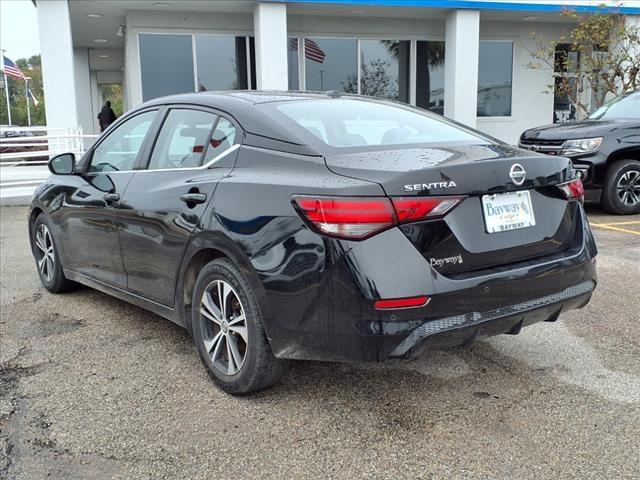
[416,187]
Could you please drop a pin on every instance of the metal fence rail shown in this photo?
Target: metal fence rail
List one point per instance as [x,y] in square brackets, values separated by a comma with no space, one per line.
[24,153]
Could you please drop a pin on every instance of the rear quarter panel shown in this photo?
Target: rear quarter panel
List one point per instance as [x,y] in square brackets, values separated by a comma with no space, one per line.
[252,220]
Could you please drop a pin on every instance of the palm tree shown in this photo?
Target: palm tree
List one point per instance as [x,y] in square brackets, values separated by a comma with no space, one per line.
[430,54]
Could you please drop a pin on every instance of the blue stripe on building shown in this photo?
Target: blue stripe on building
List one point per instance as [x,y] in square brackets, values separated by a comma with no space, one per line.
[470,5]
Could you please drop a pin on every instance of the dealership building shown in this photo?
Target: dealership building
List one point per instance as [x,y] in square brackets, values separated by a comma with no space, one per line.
[467,59]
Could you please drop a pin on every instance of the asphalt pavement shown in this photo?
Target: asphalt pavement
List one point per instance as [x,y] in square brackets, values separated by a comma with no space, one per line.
[94,388]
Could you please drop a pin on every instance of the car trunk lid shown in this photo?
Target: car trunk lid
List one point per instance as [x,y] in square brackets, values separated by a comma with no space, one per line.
[462,241]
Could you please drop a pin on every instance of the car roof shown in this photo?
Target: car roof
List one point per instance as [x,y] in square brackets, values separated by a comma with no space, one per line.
[240,104]
[250,97]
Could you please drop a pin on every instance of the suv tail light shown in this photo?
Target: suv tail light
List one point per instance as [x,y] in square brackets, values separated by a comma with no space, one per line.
[357,218]
[573,189]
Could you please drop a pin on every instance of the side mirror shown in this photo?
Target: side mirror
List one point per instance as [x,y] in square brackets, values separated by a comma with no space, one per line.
[63,164]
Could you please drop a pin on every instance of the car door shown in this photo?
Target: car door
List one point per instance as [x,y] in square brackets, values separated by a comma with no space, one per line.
[194,149]
[89,219]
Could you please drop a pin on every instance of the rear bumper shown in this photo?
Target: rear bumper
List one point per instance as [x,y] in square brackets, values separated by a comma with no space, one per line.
[466,328]
[330,316]
[344,328]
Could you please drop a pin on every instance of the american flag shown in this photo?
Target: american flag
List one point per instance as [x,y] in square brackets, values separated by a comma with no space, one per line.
[311,49]
[12,69]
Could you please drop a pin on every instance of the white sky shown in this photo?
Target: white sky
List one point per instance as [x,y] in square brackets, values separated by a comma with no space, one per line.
[19,29]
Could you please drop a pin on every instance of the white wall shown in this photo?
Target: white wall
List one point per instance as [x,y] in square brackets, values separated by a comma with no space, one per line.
[270,26]
[56,48]
[96,98]
[84,97]
[461,66]
[109,77]
[378,27]
[531,101]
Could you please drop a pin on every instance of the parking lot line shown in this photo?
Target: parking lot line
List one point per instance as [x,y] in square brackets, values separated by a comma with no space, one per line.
[611,227]
[615,224]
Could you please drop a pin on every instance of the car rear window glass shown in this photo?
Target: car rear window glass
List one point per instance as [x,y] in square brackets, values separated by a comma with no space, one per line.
[357,123]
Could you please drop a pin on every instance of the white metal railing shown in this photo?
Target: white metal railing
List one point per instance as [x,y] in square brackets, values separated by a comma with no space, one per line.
[26,143]
[21,171]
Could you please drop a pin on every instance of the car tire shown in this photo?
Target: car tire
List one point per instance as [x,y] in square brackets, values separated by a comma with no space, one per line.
[229,334]
[46,256]
[621,189]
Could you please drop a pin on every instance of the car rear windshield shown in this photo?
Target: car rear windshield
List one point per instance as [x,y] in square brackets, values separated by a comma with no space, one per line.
[359,123]
[627,106]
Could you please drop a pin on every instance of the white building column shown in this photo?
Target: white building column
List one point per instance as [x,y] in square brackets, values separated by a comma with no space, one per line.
[56,48]
[462,41]
[96,98]
[83,90]
[270,28]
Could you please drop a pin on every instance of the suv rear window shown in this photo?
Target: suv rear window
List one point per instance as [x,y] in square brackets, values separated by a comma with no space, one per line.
[358,123]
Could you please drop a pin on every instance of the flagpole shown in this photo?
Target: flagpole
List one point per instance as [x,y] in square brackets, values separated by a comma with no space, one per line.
[26,94]
[6,88]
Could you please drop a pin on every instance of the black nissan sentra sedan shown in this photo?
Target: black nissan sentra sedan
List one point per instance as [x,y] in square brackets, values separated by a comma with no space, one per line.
[279,226]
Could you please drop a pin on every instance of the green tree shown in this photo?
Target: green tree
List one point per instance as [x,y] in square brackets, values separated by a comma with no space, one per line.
[599,57]
[374,81]
[113,93]
[432,56]
[31,67]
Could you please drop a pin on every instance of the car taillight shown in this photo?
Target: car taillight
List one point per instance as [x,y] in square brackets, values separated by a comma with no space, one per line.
[357,218]
[412,209]
[573,189]
[347,217]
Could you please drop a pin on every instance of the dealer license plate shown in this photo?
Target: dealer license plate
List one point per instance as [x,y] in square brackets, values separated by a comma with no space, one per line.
[507,211]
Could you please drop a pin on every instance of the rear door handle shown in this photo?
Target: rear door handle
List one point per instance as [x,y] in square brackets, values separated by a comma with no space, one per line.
[193,198]
[111,197]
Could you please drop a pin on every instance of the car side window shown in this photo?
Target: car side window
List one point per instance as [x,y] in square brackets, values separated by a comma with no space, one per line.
[182,139]
[223,138]
[118,152]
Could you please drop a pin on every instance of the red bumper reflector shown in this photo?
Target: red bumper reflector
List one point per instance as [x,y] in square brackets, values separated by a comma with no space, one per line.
[411,302]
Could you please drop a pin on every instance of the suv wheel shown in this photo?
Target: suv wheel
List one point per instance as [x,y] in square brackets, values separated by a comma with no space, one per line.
[621,190]
[47,259]
[228,331]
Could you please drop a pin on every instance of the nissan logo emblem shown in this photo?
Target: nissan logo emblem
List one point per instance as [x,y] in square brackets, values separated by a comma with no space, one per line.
[517,174]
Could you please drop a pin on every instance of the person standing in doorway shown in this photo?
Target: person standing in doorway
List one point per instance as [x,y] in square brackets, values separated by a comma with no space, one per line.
[106,116]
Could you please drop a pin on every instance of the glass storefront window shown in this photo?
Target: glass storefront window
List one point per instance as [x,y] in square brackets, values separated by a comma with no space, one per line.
[495,66]
[292,62]
[225,62]
[566,63]
[430,76]
[384,69]
[221,62]
[166,65]
[331,64]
